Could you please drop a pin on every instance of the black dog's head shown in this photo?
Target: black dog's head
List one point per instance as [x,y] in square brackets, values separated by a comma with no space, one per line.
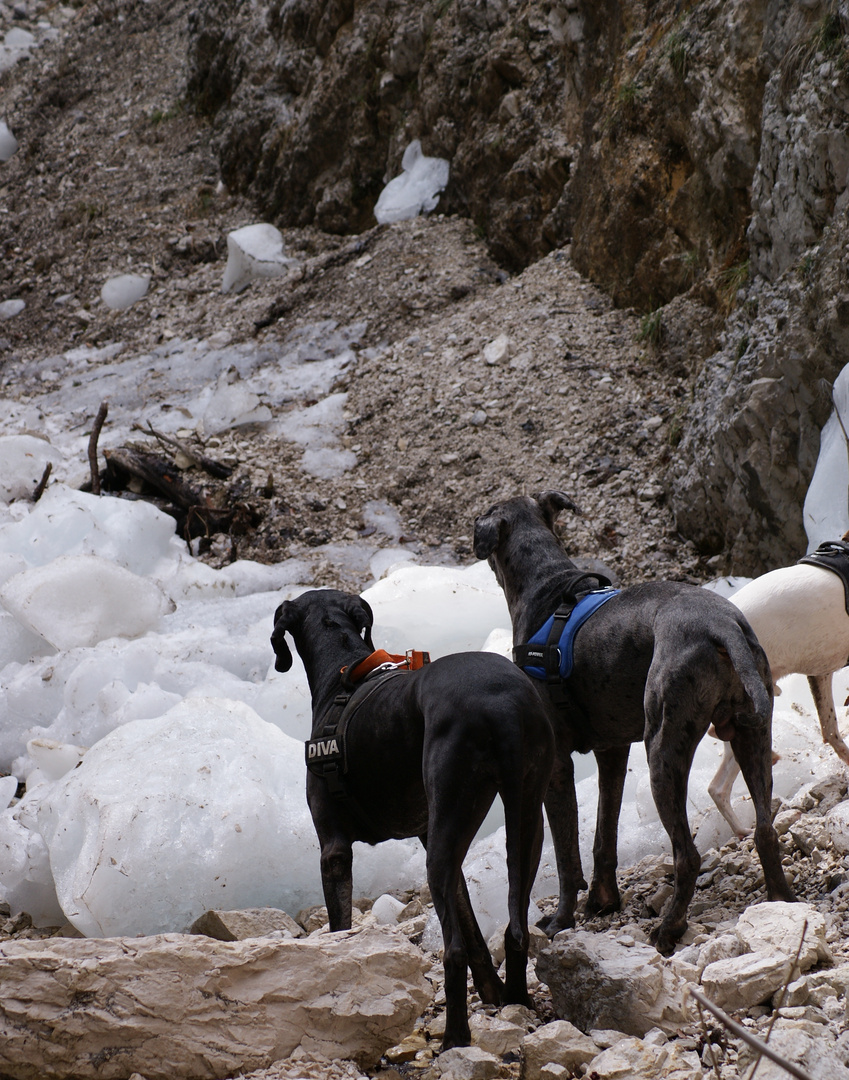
[313,614]
[493,527]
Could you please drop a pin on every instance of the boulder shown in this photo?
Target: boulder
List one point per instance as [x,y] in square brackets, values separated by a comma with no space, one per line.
[741,982]
[181,1006]
[782,929]
[649,1061]
[250,923]
[599,982]
[560,1044]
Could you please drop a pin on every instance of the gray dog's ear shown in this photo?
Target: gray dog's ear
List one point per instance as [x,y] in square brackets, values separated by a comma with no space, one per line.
[487,533]
[285,617]
[552,502]
[360,611]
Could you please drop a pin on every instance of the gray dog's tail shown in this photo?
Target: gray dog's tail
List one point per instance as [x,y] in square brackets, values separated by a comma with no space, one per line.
[745,656]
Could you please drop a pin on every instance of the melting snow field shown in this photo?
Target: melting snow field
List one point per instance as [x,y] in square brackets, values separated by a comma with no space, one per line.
[162,754]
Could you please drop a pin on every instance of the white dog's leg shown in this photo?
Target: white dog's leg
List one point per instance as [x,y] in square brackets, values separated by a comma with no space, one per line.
[719,789]
[824,700]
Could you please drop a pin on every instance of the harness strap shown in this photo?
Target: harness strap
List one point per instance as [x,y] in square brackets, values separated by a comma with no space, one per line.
[326,752]
[832,555]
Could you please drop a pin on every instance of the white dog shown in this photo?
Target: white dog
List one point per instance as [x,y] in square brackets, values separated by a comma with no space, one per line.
[799,616]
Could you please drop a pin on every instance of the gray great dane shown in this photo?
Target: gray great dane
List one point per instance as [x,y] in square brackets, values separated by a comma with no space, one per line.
[658,662]
[422,753]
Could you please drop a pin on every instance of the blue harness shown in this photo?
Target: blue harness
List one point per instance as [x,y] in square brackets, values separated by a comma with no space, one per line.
[548,654]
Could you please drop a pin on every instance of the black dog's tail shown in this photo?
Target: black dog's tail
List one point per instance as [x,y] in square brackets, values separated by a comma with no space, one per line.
[751,665]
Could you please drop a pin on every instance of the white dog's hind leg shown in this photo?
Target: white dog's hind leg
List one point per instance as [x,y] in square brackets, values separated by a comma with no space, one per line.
[824,700]
[719,789]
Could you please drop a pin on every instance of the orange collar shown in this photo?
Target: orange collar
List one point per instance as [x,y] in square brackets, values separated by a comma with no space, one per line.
[412,660]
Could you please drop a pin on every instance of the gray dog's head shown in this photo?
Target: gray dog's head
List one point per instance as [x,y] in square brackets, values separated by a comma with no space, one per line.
[493,528]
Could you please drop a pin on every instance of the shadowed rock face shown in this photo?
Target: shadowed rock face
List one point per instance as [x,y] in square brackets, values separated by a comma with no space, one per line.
[698,153]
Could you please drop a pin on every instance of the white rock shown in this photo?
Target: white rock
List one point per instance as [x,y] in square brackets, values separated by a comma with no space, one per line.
[386,909]
[23,459]
[635,1058]
[635,989]
[182,1007]
[255,251]
[837,824]
[498,350]
[221,821]
[560,1043]
[8,144]
[416,190]
[742,982]
[123,291]
[467,1063]
[78,600]
[776,928]
[10,308]
[495,1035]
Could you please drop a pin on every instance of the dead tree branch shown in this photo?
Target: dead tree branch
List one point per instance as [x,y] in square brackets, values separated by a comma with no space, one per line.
[92,446]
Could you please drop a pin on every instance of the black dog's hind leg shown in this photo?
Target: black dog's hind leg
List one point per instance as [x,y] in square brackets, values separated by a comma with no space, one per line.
[603,896]
[753,752]
[561,808]
[670,754]
[336,881]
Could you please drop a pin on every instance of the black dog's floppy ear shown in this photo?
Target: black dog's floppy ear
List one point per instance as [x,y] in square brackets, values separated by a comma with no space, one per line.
[487,533]
[285,617]
[552,502]
[360,611]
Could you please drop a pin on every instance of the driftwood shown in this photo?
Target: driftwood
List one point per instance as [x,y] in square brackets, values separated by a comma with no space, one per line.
[208,464]
[190,507]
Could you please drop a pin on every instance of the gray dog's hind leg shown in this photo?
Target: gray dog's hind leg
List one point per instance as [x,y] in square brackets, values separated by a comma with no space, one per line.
[753,751]
[603,896]
[561,808]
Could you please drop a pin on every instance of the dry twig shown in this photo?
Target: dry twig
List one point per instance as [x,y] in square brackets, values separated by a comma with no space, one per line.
[92,446]
[751,1040]
[42,483]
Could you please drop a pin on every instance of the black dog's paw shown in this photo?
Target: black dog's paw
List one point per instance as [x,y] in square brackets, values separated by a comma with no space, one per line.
[665,940]
[552,924]
[602,902]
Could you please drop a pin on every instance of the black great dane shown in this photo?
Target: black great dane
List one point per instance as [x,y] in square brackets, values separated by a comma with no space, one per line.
[422,753]
[657,662]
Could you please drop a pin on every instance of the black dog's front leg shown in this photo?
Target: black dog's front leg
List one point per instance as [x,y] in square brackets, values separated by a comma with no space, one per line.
[561,807]
[603,896]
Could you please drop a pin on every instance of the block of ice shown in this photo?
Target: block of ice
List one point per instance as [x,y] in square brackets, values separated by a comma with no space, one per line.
[123,291]
[8,142]
[23,459]
[826,509]
[10,308]
[220,823]
[136,535]
[78,600]
[255,251]
[416,191]
[18,645]
[8,790]
[232,404]
[26,881]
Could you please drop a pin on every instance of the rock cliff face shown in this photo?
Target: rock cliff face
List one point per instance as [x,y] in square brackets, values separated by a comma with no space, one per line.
[695,155]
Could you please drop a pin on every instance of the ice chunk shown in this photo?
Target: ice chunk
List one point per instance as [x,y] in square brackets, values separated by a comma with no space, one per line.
[8,142]
[826,509]
[54,759]
[10,308]
[123,291]
[232,405]
[18,645]
[136,535]
[78,600]
[416,190]
[8,790]
[23,459]
[16,44]
[255,251]
[26,881]
[220,822]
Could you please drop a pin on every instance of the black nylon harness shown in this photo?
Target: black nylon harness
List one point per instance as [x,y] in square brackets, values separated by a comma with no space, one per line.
[326,750]
[832,555]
